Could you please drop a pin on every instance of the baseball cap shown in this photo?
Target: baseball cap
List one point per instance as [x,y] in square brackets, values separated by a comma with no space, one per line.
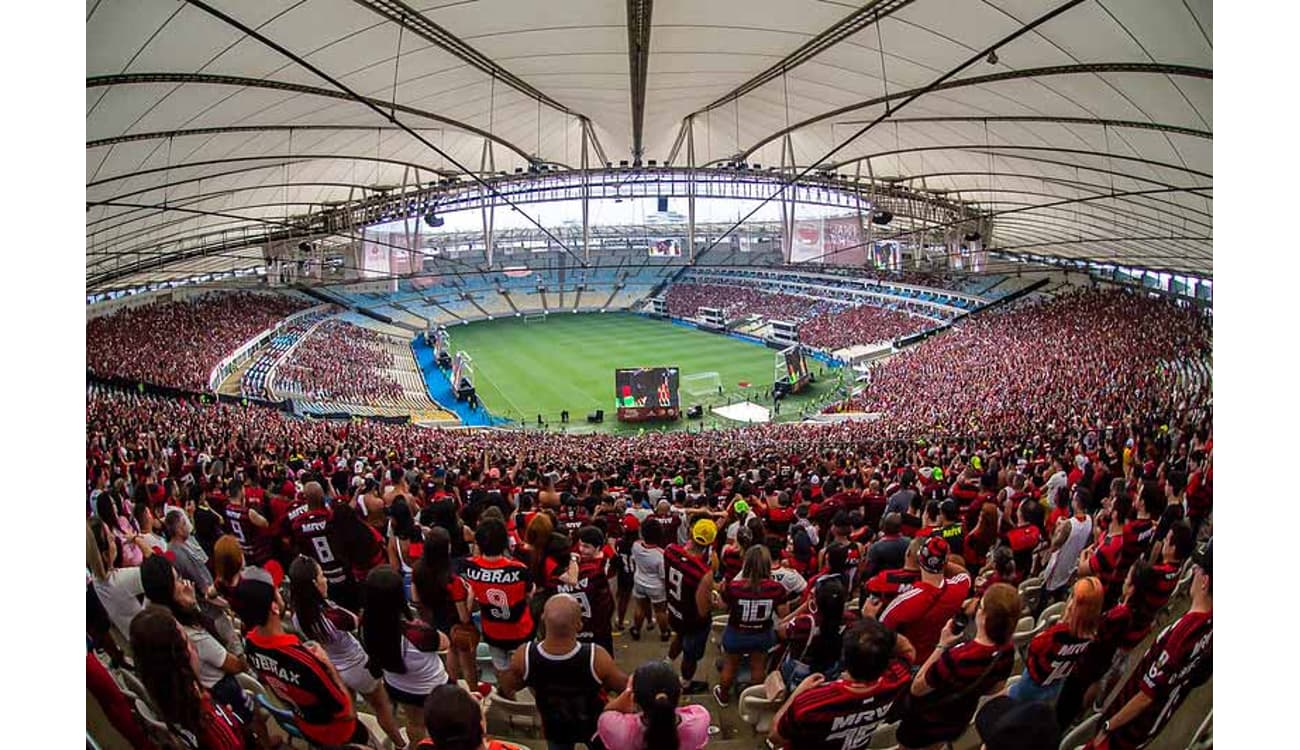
[933,555]
[1203,558]
[704,532]
[742,507]
[678,481]
[814,479]
[976,463]
[630,523]
[938,474]
[1007,724]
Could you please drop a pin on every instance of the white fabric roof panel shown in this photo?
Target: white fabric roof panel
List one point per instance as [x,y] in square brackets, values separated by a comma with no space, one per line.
[575,53]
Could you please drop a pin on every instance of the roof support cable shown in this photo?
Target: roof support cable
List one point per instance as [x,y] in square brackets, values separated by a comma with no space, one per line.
[880,47]
[936,83]
[255,34]
[397,63]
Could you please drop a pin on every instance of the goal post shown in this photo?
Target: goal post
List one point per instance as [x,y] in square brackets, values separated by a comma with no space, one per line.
[701,383]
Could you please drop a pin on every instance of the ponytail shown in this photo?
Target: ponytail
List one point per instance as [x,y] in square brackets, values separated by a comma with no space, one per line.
[661,723]
[656,689]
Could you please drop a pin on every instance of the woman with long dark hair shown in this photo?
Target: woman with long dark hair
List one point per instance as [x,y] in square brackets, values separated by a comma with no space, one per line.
[645,716]
[755,600]
[814,634]
[165,661]
[131,546]
[332,626]
[404,541]
[358,545]
[442,599]
[217,666]
[403,650]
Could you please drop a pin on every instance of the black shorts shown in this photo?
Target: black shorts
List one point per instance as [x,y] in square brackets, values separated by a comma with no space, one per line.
[401,696]
[693,644]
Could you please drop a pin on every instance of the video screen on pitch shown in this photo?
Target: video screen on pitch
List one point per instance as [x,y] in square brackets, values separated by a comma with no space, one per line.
[796,367]
[646,387]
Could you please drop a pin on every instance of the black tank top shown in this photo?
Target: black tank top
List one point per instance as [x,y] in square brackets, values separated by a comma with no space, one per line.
[566,691]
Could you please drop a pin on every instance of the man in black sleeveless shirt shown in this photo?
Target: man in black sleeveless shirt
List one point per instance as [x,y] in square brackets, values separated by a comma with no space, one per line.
[566,676]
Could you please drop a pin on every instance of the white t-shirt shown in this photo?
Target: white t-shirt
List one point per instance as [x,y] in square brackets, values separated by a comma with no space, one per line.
[212,655]
[119,594]
[424,671]
[792,580]
[649,563]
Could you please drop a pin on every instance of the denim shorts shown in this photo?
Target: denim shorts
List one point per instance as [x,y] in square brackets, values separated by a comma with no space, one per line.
[1027,691]
[736,642]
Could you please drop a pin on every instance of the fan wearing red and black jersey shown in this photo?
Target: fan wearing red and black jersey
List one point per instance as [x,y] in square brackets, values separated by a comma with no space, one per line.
[1180,660]
[247,522]
[299,674]
[754,601]
[690,588]
[843,714]
[1053,654]
[312,533]
[949,684]
[921,612]
[591,589]
[500,586]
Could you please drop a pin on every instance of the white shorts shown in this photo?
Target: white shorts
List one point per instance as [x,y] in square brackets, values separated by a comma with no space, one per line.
[656,594]
[358,678]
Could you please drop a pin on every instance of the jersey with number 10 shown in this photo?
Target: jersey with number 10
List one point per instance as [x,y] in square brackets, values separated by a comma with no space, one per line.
[500,587]
[753,608]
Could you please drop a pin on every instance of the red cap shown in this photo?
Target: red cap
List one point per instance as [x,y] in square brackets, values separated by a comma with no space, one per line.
[630,523]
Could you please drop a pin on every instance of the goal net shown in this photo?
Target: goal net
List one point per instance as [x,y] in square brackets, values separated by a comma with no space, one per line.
[535,318]
[701,383]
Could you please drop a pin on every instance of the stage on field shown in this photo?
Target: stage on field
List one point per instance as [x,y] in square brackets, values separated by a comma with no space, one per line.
[745,411]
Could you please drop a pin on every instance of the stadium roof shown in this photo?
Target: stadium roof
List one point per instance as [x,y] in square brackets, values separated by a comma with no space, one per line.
[1086,132]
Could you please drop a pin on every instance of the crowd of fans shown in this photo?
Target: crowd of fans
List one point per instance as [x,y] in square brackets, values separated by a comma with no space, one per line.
[1091,359]
[253,381]
[176,344]
[854,571]
[685,300]
[340,362]
[863,324]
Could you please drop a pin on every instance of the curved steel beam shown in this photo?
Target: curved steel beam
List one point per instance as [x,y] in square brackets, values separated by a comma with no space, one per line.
[1070,183]
[1052,70]
[1041,206]
[190,200]
[1134,124]
[985,149]
[158,135]
[279,159]
[129,79]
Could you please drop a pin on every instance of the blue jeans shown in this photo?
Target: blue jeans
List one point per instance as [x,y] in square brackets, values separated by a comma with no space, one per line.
[1027,691]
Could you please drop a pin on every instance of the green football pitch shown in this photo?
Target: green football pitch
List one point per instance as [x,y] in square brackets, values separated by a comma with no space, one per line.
[567,362]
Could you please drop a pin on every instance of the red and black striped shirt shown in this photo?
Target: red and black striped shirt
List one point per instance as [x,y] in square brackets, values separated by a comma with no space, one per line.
[843,713]
[323,709]
[970,669]
[500,587]
[1053,654]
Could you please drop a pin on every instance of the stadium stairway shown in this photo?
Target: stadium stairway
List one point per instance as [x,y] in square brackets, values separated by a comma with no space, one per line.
[439,388]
